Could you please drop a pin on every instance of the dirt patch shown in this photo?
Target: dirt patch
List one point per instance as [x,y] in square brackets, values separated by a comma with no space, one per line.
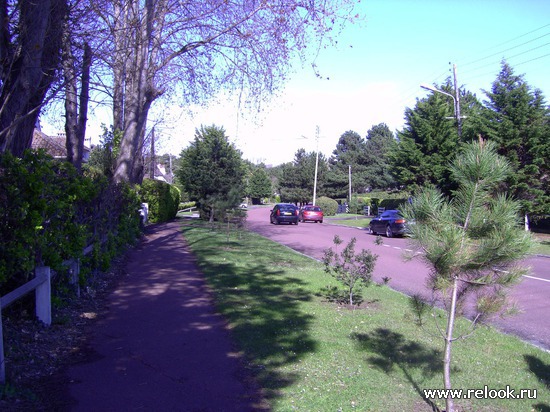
[36,354]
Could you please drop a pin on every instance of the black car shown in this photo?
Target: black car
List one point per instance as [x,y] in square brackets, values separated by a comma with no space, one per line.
[284,213]
[390,222]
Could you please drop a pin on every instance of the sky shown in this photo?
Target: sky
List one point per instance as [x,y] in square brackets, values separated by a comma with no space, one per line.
[375,74]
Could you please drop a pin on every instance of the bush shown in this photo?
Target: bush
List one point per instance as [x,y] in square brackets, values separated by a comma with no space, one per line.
[163,200]
[329,206]
[49,213]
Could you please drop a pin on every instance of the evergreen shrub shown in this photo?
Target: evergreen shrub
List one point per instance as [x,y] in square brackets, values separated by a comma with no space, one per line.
[329,206]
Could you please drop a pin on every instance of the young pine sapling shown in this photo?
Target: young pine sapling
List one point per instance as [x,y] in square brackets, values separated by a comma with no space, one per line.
[348,267]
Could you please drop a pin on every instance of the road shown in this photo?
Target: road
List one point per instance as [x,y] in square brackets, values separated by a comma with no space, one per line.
[531,295]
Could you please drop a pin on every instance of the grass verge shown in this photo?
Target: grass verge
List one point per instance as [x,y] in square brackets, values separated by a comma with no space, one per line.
[310,354]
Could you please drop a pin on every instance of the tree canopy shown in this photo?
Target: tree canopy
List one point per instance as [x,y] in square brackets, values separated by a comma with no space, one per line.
[211,171]
[517,119]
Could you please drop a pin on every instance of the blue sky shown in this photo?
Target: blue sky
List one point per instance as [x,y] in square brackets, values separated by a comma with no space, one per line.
[376,71]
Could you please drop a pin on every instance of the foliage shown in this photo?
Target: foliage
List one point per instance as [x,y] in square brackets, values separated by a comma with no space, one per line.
[103,156]
[350,151]
[39,223]
[298,177]
[49,213]
[430,141]
[380,142]
[517,119]
[328,206]
[471,242]
[212,172]
[163,200]
[259,185]
[348,267]
[198,50]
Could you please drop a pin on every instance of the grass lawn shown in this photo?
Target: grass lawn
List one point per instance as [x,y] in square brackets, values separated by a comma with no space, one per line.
[544,243]
[310,354]
[349,220]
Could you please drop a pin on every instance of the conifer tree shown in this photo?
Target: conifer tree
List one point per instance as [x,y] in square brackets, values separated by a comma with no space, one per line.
[518,120]
[472,243]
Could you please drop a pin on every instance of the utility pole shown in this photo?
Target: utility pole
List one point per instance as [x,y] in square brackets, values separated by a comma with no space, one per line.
[349,173]
[457,104]
[316,165]
[152,166]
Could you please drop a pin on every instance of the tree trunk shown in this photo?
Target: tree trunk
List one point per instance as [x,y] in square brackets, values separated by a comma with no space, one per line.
[448,343]
[84,98]
[28,70]
[71,105]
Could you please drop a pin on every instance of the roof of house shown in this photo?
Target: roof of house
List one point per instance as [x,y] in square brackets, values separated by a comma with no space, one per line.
[55,146]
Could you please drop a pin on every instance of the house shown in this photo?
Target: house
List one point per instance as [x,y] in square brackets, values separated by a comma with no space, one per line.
[54,145]
[163,175]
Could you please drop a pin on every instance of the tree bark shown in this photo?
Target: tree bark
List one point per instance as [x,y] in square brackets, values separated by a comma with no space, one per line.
[448,344]
[28,69]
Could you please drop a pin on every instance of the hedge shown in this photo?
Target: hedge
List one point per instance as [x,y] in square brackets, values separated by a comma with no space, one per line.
[49,213]
[163,200]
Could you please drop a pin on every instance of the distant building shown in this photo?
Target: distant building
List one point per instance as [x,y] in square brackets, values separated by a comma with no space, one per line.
[162,174]
[55,146]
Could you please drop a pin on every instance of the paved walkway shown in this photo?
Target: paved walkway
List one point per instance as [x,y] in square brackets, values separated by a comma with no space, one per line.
[161,346]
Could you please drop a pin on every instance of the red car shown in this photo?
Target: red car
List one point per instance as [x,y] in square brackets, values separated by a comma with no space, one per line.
[311,214]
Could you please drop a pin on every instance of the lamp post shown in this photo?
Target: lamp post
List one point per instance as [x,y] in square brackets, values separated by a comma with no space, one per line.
[456,101]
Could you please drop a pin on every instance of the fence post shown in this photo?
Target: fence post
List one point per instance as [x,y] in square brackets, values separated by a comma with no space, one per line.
[43,296]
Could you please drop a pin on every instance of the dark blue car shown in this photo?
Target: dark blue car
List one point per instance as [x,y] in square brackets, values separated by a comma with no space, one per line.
[284,213]
[390,222]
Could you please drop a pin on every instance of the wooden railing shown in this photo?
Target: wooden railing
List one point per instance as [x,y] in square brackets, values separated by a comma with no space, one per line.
[41,284]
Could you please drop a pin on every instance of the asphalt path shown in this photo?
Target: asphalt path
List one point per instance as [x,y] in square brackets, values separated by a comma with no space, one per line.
[531,295]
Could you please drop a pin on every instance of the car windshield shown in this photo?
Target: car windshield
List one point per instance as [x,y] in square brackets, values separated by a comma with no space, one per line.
[287,208]
[312,208]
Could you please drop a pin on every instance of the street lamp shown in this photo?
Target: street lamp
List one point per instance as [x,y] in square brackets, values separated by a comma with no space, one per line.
[456,101]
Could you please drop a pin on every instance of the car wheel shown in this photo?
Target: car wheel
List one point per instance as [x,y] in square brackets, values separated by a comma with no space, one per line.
[370,231]
[389,232]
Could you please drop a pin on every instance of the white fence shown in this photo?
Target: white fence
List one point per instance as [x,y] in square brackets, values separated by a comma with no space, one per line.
[41,284]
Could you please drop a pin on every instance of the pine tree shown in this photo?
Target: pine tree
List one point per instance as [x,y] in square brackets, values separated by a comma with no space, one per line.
[380,140]
[259,185]
[518,120]
[472,243]
[212,171]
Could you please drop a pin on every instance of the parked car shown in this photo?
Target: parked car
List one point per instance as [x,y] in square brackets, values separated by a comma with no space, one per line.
[284,213]
[389,222]
[311,213]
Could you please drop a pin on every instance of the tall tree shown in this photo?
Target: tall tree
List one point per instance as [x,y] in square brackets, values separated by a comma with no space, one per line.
[472,243]
[157,48]
[430,139]
[259,185]
[518,120]
[212,171]
[350,151]
[76,104]
[380,141]
[30,56]
[427,144]
[298,177]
